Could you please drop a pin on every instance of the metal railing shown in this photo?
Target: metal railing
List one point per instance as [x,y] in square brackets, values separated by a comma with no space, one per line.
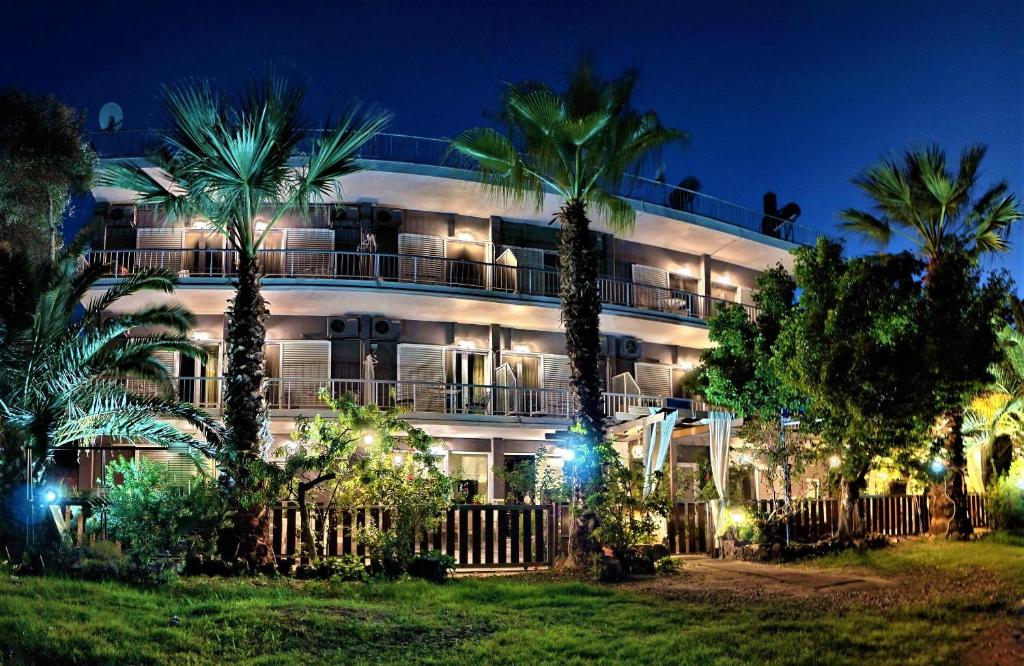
[389,147]
[406,269]
[419,397]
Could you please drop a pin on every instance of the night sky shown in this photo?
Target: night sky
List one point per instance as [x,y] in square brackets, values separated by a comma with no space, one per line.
[789,96]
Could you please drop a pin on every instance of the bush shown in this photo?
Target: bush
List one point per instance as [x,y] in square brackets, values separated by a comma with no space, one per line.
[1006,500]
[435,566]
[666,566]
[151,517]
[346,568]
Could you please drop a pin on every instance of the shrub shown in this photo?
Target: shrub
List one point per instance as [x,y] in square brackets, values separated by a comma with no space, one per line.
[152,517]
[666,566]
[434,566]
[346,568]
[627,516]
[1006,500]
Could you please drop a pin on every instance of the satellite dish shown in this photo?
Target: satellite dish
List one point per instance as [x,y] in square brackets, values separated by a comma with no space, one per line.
[111,117]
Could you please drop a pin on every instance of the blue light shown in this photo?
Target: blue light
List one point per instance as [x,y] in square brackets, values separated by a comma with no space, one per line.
[569,455]
[938,466]
[50,496]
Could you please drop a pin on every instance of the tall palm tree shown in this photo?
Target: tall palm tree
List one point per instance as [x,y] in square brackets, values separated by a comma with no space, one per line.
[578,144]
[934,207]
[64,357]
[231,163]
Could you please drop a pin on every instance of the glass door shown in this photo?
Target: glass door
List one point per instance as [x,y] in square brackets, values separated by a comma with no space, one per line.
[471,377]
[200,377]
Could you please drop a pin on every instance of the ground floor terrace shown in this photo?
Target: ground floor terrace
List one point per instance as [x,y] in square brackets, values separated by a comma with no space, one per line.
[916,602]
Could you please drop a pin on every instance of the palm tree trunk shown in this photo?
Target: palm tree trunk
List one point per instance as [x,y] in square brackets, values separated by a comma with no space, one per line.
[246,417]
[948,510]
[581,311]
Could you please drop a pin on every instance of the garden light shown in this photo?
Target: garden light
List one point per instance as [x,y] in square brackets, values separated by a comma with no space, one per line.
[51,495]
[638,451]
[369,438]
[834,462]
[568,455]
[399,459]
[738,517]
[938,466]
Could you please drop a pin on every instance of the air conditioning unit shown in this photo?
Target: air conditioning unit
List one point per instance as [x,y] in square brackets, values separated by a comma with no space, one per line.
[630,348]
[344,213]
[387,216]
[382,328]
[121,216]
[607,346]
[343,327]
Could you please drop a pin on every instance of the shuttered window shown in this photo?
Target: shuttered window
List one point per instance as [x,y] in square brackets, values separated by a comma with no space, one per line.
[181,467]
[305,368]
[416,268]
[421,377]
[653,276]
[160,248]
[530,276]
[654,379]
[316,259]
[556,374]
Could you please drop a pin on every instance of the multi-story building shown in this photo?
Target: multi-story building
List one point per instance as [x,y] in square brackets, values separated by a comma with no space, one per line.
[417,289]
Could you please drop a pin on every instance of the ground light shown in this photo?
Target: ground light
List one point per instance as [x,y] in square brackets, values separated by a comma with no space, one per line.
[568,455]
[938,466]
[51,495]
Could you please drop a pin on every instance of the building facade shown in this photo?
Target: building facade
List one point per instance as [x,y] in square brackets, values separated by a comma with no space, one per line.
[417,289]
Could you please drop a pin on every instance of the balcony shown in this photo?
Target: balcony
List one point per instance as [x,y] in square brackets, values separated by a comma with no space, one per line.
[387,147]
[498,279]
[451,399]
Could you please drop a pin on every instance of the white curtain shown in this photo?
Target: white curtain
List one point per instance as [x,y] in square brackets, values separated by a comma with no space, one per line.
[657,449]
[719,426]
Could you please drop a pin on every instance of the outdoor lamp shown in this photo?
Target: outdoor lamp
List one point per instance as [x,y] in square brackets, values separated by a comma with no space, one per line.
[568,455]
[938,466]
[50,495]
[368,438]
[835,461]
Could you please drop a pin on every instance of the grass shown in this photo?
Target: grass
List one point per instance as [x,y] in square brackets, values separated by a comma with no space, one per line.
[513,620]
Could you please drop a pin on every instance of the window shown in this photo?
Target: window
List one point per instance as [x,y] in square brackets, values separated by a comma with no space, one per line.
[470,473]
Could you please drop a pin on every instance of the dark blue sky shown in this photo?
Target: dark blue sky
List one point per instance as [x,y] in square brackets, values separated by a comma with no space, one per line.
[789,96]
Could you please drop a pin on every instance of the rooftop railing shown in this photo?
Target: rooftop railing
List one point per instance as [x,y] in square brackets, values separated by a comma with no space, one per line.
[434,151]
[406,269]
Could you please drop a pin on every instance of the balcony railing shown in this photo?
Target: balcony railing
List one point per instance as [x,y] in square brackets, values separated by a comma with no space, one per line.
[406,269]
[434,151]
[417,397]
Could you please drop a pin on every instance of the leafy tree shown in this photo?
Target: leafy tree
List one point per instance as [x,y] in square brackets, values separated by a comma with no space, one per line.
[853,347]
[934,207]
[63,357]
[44,161]
[366,456]
[738,374]
[233,163]
[577,144]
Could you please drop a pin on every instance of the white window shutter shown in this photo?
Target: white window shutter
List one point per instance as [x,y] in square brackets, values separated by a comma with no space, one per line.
[421,380]
[556,373]
[653,276]
[745,296]
[305,369]
[309,262]
[420,269]
[160,247]
[531,269]
[654,379]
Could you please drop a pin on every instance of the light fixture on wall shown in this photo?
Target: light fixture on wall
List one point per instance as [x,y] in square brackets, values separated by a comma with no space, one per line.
[438,450]
[686,365]
[464,236]
[637,451]
[466,344]
[521,349]
[200,336]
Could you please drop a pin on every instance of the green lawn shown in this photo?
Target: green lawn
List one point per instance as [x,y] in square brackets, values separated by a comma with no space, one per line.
[952,593]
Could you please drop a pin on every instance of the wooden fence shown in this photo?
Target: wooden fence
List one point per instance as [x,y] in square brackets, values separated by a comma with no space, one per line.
[688,528]
[478,536]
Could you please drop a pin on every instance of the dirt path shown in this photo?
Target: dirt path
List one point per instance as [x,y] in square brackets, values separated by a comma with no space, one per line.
[788,580]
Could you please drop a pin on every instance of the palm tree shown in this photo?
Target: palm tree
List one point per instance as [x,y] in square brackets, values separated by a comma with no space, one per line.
[995,419]
[934,207]
[64,357]
[230,163]
[578,144]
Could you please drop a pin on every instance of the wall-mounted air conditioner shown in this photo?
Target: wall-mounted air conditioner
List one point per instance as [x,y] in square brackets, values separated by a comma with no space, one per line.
[343,327]
[382,328]
[630,348]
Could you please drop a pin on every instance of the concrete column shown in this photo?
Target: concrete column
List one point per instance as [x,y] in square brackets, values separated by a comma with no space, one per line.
[497,462]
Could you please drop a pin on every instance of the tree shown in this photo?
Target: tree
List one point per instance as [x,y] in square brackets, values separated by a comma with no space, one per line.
[738,374]
[934,207]
[63,357]
[578,144]
[853,347]
[234,163]
[994,420]
[366,456]
[44,161]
